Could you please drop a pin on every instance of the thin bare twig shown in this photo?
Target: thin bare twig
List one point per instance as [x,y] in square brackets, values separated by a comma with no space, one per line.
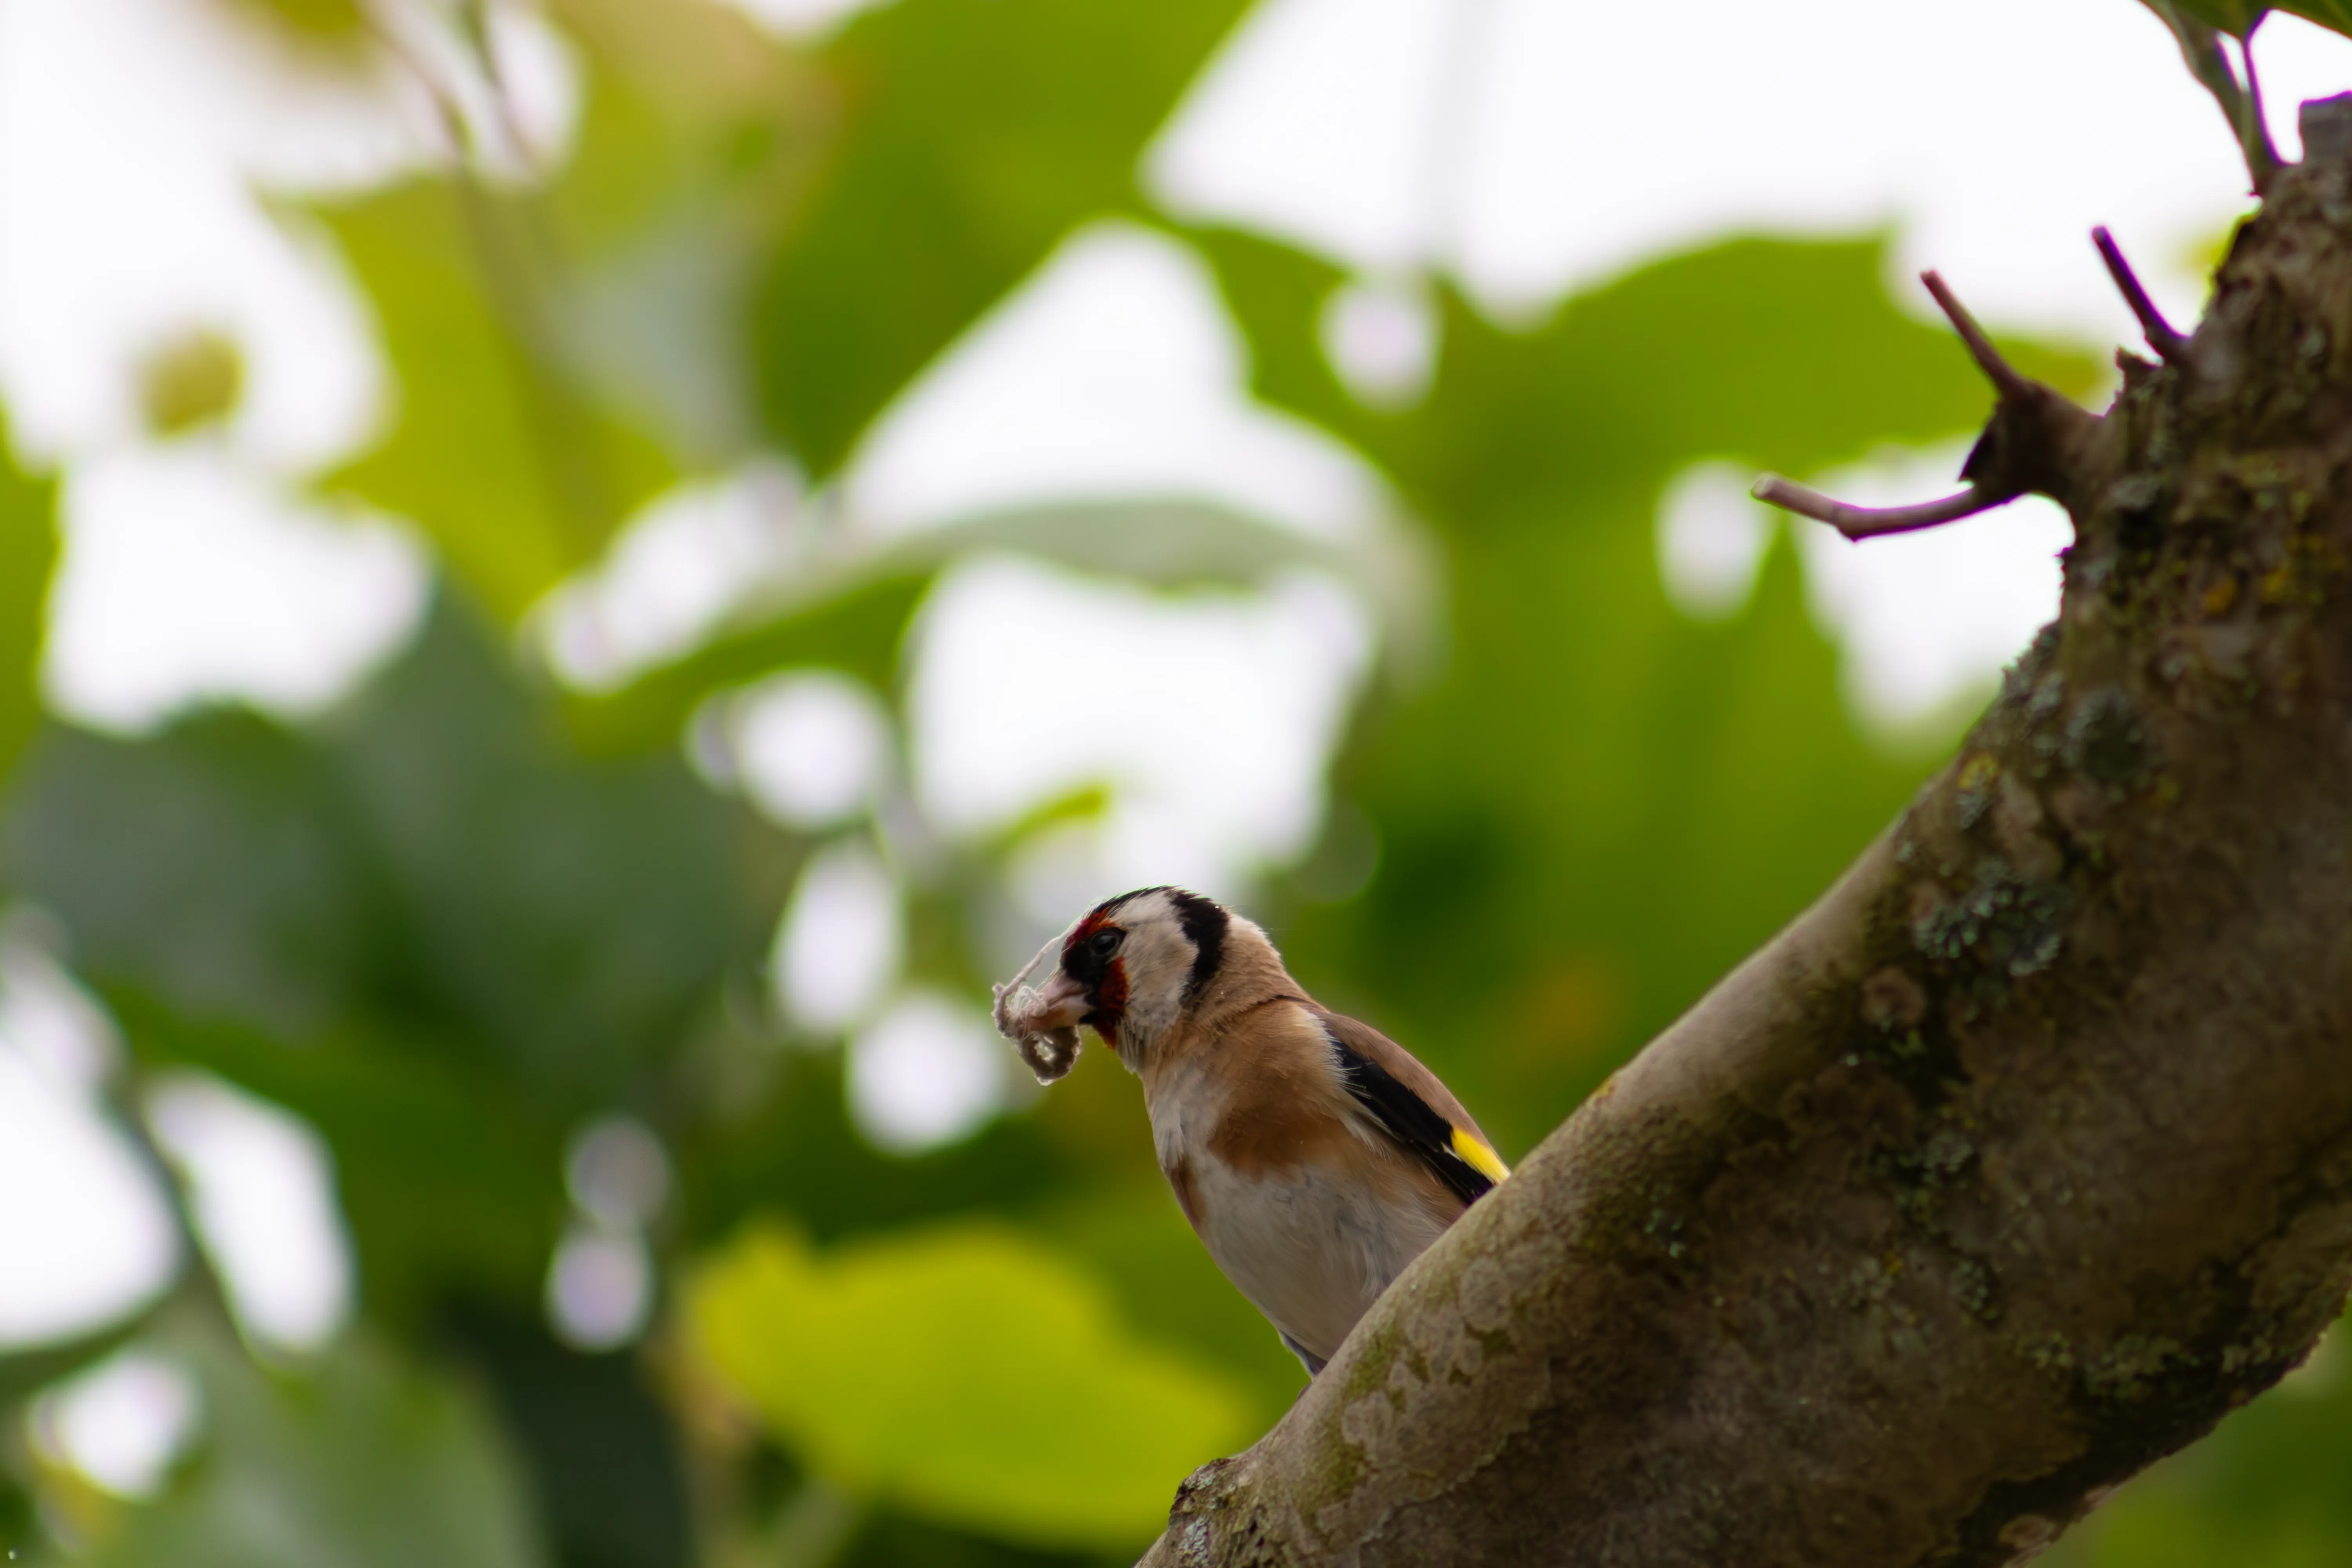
[2201,46]
[2003,375]
[2255,117]
[2027,424]
[1858,522]
[2169,345]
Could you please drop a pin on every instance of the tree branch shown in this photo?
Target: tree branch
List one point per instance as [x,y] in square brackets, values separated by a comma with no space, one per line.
[2026,446]
[2170,346]
[2003,375]
[1868,521]
[2012,1164]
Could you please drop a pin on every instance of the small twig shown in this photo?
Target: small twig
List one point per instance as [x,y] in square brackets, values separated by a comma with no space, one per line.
[2169,345]
[2201,46]
[1858,522]
[2027,445]
[2003,375]
[2256,118]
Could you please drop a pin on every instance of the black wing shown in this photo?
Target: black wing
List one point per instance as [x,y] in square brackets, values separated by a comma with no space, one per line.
[1413,1122]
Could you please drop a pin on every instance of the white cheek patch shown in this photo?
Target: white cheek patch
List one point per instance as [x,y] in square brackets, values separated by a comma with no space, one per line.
[1155,984]
[1050,1053]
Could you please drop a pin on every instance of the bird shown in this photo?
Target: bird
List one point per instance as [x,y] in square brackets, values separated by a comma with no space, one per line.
[1313,1156]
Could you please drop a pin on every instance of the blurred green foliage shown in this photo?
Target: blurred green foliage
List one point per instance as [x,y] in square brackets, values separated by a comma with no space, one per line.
[28,548]
[976,133]
[511,467]
[192,381]
[1024,1411]
[466,910]
[338,20]
[361,1462]
[2237,17]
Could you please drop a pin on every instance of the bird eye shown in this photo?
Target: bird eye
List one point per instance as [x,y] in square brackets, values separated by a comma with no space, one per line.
[1106,942]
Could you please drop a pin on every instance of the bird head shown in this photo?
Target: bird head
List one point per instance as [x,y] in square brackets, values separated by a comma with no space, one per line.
[1128,969]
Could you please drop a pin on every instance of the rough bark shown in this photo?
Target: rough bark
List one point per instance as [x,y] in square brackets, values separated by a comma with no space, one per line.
[2020,1159]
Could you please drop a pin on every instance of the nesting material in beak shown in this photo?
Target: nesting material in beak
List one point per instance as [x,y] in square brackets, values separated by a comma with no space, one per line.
[1041,1022]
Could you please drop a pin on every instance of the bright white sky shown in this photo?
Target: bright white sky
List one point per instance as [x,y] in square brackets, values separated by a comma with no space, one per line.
[1528,146]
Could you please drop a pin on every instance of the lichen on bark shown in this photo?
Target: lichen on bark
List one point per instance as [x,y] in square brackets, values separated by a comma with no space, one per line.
[2015,1162]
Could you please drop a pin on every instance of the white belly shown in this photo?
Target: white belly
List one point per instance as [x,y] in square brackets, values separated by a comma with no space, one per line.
[1309,1251]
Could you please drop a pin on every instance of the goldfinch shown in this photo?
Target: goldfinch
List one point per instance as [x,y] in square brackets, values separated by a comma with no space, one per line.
[1313,1156]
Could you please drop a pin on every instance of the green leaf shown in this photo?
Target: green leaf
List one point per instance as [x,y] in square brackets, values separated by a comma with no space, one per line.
[694,146]
[2237,17]
[361,1460]
[850,609]
[2232,17]
[191,381]
[437,861]
[496,448]
[575,915]
[976,135]
[207,865]
[1133,1234]
[2330,14]
[428,925]
[27,1371]
[600,1445]
[799,1151]
[1769,352]
[29,554]
[858,627]
[1762,350]
[969,1374]
[451,1182]
[315,21]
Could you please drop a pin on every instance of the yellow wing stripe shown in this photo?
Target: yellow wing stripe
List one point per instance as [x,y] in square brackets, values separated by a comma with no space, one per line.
[1479,1157]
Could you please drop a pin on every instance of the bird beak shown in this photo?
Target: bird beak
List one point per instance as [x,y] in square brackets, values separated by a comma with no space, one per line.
[1060,1006]
[1043,1021]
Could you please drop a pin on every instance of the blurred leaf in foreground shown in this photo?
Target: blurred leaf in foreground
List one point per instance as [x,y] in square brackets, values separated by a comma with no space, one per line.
[495,448]
[29,552]
[2232,17]
[793,1144]
[435,860]
[2239,18]
[325,21]
[978,133]
[1134,1236]
[191,381]
[848,604]
[968,1375]
[2332,15]
[599,1450]
[425,923]
[449,1179]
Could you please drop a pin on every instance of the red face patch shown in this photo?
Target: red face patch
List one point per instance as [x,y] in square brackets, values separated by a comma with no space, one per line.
[1089,957]
[1097,920]
[1110,1000]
